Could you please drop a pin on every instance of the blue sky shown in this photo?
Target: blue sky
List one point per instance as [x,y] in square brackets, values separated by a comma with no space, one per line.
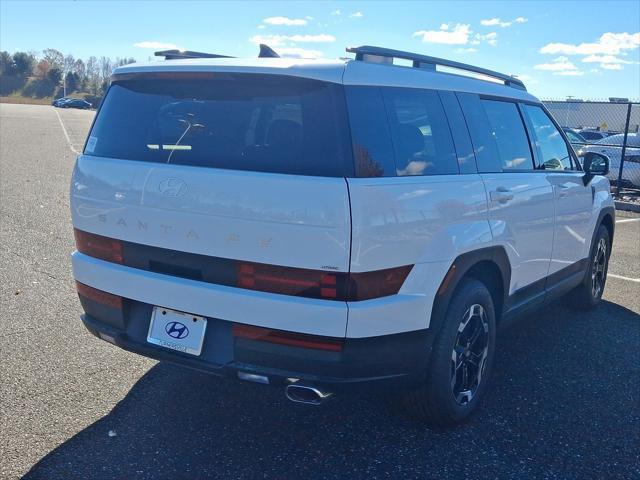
[559,48]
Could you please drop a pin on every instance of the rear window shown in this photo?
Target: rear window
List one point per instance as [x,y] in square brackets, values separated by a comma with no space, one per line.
[262,123]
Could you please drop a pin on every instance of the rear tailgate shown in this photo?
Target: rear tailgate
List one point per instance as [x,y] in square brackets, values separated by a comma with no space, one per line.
[243,169]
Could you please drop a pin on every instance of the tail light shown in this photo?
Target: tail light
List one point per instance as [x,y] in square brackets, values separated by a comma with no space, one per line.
[287,338]
[99,296]
[300,282]
[97,246]
[291,281]
[378,283]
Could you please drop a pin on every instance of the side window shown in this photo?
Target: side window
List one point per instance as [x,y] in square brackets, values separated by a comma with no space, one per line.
[499,137]
[420,132]
[553,152]
[484,144]
[508,131]
[459,132]
[372,149]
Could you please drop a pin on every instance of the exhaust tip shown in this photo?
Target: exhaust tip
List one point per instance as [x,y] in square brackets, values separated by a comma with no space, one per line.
[307,395]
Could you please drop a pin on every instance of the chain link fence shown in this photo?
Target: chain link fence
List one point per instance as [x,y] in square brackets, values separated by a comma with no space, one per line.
[611,128]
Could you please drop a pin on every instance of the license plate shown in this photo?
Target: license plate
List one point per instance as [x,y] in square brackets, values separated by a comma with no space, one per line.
[179,331]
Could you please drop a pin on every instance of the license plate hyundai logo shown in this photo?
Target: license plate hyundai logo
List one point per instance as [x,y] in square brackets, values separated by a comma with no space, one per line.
[176,330]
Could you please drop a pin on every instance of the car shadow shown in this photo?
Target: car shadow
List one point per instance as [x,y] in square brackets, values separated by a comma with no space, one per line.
[553,370]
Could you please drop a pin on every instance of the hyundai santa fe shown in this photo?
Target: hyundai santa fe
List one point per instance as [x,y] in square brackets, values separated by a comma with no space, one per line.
[331,225]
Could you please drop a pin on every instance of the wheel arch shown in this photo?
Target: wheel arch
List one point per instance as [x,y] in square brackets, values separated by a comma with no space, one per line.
[607,218]
[489,265]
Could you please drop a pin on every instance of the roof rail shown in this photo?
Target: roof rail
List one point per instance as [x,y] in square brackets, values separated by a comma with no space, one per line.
[182,54]
[369,53]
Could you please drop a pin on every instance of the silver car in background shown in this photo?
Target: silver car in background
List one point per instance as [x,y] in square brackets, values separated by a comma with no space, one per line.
[612,148]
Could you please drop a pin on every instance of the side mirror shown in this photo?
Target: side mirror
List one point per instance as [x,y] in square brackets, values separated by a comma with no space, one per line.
[594,164]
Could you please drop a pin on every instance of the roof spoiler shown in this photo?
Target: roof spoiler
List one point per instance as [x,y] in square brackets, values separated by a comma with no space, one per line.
[379,54]
[265,52]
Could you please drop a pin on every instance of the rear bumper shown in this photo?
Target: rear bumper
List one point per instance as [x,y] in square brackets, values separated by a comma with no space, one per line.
[373,363]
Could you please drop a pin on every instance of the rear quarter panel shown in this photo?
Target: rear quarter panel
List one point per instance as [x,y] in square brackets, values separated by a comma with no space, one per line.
[422,221]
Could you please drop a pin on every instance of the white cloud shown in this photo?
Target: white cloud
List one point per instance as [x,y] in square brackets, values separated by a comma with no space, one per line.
[465,50]
[497,22]
[458,35]
[284,21]
[557,65]
[611,66]
[157,45]
[280,40]
[604,59]
[356,15]
[296,52]
[320,38]
[570,73]
[308,17]
[608,44]
[491,38]
[337,13]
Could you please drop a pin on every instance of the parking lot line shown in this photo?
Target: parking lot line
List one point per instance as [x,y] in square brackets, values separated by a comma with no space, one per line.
[66,135]
[628,279]
[628,220]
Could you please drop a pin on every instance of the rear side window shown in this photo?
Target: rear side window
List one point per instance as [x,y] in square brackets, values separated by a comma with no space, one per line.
[553,152]
[262,123]
[498,135]
[420,133]
[399,131]
[372,149]
[508,131]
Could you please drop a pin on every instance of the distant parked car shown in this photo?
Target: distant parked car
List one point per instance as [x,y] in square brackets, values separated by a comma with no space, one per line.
[59,101]
[76,103]
[574,137]
[593,135]
[631,168]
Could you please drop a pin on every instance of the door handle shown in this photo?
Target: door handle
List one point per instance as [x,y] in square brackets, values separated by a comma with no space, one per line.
[501,195]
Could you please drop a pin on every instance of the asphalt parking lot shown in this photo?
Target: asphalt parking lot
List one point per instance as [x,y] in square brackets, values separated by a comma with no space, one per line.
[564,402]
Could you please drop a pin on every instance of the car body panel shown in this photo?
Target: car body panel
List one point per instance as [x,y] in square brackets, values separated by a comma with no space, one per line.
[523,224]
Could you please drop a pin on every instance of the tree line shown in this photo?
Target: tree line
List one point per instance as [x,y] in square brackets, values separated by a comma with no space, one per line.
[44,74]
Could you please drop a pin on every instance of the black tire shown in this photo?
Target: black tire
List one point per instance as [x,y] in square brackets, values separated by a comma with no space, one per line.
[435,402]
[588,294]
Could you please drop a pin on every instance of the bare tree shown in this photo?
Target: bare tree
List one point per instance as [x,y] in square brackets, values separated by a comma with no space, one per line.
[54,57]
[93,75]
[105,68]
[81,70]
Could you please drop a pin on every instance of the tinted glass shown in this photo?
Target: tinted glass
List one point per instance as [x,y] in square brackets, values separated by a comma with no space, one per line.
[573,137]
[420,133]
[553,153]
[459,132]
[506,128]
[372,150]
[592,135]
[261,123]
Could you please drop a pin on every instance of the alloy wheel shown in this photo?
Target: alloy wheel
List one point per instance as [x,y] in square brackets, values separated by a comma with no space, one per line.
[469,355]
[599,269]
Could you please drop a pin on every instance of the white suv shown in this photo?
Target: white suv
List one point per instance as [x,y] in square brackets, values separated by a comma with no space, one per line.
[331,225]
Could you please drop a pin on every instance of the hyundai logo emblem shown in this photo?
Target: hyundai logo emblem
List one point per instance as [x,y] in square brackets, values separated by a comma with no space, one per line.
[176,330]
[172,187]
